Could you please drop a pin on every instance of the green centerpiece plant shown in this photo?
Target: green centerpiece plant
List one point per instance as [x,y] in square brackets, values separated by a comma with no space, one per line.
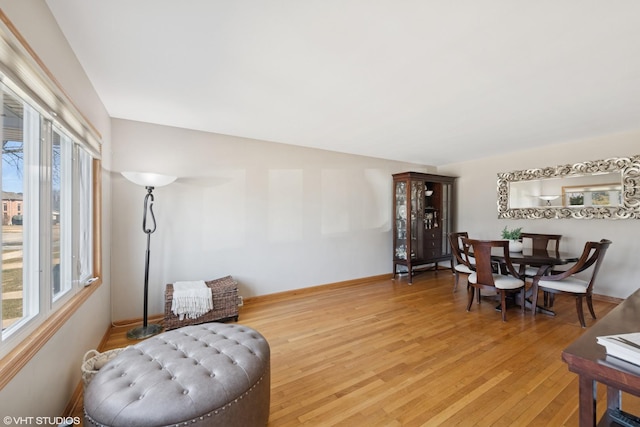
[513,236]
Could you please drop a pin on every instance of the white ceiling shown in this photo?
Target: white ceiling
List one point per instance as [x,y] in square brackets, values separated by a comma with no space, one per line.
[424,81]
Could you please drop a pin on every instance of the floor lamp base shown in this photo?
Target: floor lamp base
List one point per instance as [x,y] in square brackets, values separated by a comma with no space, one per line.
[144,331]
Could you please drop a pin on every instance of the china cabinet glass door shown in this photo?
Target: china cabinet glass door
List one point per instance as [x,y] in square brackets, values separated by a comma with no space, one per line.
[417,211]
[400,238]
[447,216]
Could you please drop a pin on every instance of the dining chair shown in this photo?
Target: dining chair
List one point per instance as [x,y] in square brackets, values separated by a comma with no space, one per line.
[566,281]
[540,242]
[461,265]
[485,278]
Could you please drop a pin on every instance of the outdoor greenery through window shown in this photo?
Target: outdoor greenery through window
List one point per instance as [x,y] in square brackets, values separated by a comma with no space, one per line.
[47,215]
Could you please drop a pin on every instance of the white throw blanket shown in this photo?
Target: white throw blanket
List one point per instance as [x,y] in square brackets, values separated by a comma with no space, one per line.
[191,299]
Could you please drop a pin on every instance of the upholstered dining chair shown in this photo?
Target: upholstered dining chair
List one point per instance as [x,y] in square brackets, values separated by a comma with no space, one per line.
[485,278]
[461,266]
[567,282]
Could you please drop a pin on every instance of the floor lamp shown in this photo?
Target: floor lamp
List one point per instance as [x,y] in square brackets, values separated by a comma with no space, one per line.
[149,181]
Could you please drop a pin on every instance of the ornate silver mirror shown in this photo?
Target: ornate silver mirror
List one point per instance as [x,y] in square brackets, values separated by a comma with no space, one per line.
[607,188]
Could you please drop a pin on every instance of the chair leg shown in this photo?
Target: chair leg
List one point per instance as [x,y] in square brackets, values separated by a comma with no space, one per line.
[522,299]
[503,305]
[590,305]
[470,292]
[534,300]
[580,312]
[545,298]
[455,283]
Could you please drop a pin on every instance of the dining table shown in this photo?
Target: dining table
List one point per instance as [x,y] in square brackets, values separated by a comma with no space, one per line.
[536,258]
[542,259]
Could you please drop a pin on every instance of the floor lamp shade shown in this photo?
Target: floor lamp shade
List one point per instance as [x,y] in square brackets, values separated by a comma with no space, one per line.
[149,181]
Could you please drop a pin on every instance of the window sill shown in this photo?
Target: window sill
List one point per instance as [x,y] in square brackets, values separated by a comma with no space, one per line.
[17,358]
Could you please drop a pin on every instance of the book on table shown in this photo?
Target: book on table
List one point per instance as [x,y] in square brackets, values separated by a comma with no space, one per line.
[622,346]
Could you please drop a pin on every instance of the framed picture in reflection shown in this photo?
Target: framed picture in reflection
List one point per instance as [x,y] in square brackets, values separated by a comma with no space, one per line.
[592,195]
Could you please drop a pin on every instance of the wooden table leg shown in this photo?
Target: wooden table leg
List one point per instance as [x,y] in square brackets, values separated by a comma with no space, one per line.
[587,408]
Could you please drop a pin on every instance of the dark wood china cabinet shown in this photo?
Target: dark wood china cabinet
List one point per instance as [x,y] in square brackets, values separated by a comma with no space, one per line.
[423,218]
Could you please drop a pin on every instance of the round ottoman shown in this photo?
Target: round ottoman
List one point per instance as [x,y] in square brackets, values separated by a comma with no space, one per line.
[209,374]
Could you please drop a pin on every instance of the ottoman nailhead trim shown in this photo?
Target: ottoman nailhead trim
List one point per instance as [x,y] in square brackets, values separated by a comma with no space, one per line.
[215,412]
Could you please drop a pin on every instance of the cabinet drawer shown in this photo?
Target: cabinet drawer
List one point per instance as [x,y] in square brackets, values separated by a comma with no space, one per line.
[430,253]
[432,233]
[433,244]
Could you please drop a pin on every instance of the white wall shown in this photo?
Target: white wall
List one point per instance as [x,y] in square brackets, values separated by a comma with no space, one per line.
[45,385]
[477,209]
[276,217]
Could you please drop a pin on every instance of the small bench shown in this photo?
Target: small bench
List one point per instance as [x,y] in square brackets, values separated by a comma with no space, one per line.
[209,374]
[224,292]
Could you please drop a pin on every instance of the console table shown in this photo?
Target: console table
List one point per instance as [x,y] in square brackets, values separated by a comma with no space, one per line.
[589,360]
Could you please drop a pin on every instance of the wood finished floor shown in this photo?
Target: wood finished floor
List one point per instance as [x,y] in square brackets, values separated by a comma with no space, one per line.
[386,353]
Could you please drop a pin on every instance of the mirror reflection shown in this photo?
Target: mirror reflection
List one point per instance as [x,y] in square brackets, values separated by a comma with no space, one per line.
[603,189]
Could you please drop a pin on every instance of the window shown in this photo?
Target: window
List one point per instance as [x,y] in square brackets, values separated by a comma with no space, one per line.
[61,213]
[47,244]
[17,302]
[85,215]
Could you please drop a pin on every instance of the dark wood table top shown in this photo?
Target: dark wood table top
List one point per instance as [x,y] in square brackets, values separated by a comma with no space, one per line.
[586,357]
[536,258]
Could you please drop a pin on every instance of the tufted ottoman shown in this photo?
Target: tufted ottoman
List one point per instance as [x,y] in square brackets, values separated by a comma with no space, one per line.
[202,375]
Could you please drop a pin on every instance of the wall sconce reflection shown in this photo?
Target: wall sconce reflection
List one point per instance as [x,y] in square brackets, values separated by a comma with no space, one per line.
[548,198]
